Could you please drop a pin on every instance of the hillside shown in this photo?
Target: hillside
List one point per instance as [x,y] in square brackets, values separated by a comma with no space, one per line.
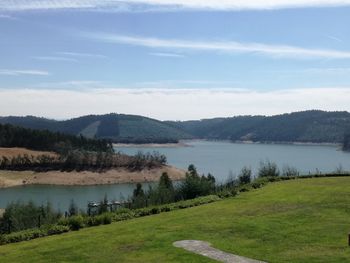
[44,140]
[117,127]
[307,126]
[293,221]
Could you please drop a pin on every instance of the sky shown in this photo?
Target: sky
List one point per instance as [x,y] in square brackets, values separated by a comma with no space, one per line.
[173,59]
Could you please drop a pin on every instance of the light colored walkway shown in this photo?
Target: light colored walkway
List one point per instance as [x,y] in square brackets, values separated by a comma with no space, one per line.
[205,249]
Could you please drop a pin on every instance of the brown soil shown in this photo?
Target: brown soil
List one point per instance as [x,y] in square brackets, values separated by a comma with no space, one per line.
[13,152]
[113,176]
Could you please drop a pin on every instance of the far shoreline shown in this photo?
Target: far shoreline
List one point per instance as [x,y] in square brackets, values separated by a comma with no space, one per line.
[152,145]
[186,143]
[290,143]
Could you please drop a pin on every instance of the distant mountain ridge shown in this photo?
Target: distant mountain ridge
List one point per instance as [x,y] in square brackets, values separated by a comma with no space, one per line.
[306,126]
[116,127]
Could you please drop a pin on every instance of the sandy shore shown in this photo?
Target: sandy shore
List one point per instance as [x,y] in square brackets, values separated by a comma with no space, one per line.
[114,176]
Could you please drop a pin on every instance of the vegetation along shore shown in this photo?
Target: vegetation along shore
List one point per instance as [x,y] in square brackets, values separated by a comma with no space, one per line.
[42,157]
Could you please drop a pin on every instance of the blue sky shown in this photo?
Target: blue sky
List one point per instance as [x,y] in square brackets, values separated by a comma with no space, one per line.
[104,54]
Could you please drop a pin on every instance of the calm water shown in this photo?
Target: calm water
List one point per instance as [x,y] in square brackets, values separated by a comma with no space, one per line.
[218,158]
[221,158]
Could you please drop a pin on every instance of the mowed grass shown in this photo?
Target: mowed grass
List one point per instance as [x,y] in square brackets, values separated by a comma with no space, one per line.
[293,221]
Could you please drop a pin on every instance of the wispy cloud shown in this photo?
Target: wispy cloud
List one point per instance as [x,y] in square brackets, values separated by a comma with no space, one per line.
[164,104]
[183,83]
[154,5]
[74,84]
[337,39]
[220,46]
[81,55]
[2,16]
[328,70]
[167,55]
[12,72]
[53,58]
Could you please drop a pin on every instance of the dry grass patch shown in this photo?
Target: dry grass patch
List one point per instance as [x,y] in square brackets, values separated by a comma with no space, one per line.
[13,152]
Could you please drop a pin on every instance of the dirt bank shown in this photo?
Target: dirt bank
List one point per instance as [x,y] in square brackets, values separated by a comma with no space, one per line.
[13,152]
[114,176]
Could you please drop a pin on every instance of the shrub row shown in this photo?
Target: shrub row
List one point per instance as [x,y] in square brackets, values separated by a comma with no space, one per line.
[32,233]
[77,222]
[126,214]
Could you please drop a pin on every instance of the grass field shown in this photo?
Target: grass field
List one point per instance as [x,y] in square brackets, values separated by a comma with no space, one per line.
[293,221]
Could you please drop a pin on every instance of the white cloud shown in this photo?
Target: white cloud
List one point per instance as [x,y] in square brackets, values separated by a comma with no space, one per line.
[74,84]
[52,58]
[144,5]
[178,104]
[12,72]
[167,55]
[81,55]
[337,39]
[7,17]
[327,70]
[183,83]
[220,46]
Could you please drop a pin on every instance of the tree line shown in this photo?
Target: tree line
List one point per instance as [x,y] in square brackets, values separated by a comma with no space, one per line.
[73,152]
[44,140]
[81,160]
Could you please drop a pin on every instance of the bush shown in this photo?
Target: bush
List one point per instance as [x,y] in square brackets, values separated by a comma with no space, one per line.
[123,214]
[165,209]
[256,185]
[93,221]
[245,176]
[224,193]
[22,236]
[155,210]
[290,171]
[75,222]
[268,169]
[194,185]
[234,192]
[106,218]
[57,229]
[244,189]
[142,212]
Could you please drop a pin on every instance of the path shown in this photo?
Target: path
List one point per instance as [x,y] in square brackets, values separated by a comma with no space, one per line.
[205,249]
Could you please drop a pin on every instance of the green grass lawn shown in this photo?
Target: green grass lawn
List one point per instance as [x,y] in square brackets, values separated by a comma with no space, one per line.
[293,221]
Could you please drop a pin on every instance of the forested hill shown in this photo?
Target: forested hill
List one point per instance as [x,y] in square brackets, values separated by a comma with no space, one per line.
[116,127]
[306,126]
[44,140]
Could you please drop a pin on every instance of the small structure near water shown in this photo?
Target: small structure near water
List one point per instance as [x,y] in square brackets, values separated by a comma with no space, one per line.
[94,207]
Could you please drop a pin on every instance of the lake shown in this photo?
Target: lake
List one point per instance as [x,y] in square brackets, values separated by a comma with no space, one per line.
[221,158]
[217,158]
